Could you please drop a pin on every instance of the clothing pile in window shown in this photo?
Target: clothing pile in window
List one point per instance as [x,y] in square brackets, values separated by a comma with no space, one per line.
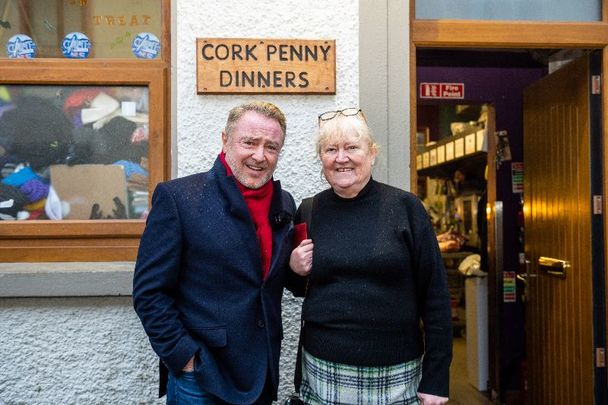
[42,126]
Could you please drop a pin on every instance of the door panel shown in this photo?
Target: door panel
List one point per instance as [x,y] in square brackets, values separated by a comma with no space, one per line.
[557,209]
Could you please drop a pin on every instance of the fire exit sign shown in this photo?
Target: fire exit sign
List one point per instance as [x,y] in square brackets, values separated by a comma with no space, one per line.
[442,90]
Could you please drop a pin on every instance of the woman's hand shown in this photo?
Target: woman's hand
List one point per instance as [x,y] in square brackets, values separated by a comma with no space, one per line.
[301,258]
[428,399]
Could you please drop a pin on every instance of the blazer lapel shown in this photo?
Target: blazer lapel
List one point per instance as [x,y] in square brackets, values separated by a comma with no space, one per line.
[280,216]
[231,193]
[238,209]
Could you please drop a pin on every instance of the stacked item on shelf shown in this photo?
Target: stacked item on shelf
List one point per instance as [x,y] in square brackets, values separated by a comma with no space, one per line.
[451,241]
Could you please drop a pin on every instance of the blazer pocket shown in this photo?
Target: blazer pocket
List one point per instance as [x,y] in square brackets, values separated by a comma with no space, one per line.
[211,337]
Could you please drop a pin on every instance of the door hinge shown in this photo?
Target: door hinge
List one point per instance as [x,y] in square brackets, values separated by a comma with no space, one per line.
[597,205]
[596,84]
[600,357]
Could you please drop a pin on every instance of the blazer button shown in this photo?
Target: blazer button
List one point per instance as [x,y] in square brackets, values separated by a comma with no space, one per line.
[261,324]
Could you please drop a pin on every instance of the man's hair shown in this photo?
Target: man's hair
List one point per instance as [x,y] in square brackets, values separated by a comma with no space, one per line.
[261,107]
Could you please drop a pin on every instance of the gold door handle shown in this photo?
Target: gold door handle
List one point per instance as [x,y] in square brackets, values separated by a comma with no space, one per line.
[554,267]
[523,278]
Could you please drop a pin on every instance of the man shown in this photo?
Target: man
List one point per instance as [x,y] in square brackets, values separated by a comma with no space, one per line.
[209,275]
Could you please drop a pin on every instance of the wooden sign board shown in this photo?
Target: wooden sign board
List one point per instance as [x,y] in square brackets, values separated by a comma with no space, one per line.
[265,66]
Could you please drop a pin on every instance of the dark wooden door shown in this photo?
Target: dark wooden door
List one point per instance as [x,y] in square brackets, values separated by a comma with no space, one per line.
[559,225]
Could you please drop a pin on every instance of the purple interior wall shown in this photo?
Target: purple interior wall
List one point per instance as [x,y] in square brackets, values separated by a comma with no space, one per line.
[503,88]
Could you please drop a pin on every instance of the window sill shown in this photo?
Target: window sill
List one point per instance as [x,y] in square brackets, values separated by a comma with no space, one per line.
[73,279]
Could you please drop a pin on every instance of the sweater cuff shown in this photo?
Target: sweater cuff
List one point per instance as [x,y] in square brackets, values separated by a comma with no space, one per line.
[177,359]
[435,379]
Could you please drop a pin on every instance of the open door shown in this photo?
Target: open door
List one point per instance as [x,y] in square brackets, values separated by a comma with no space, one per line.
[565,319]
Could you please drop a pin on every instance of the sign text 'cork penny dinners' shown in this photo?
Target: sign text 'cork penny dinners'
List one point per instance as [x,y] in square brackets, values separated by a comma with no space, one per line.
[238,65]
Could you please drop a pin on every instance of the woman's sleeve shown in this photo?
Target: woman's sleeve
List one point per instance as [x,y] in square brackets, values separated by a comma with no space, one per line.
[434,304]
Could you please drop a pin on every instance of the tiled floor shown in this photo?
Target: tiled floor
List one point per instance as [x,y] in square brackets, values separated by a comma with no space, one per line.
[461,392]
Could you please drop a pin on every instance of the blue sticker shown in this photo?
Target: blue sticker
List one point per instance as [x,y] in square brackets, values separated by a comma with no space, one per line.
[21,47]
[76,45]
[145,46]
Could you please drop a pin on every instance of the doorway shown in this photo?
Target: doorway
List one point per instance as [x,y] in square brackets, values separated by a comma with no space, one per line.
[491,108]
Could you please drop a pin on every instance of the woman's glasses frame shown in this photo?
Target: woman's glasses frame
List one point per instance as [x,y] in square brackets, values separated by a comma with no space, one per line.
[347,112]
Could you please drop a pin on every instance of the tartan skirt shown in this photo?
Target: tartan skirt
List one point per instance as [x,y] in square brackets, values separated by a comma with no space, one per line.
[328,383]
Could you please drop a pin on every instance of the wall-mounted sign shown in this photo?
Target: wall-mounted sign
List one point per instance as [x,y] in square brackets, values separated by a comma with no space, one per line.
[509,293]
[517,177]
[442,90]
[239,65]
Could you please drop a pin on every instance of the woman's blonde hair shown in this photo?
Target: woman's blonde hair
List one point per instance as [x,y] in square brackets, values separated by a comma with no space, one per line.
[342,127]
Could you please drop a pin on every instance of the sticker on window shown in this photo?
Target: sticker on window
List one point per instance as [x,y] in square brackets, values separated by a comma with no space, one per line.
[20,47]
[145,46]
[76,45]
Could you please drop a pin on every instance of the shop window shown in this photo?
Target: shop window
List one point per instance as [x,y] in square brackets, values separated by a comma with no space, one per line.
[82,142]
[82,28]
[532,10]
[73,152]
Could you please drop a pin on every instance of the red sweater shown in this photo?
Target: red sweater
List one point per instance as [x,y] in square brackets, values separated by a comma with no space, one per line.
[258,202]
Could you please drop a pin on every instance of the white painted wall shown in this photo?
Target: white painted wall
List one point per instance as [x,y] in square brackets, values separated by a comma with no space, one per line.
[74,351]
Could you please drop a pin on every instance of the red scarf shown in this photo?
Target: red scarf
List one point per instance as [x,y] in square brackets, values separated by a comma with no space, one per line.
[258,203]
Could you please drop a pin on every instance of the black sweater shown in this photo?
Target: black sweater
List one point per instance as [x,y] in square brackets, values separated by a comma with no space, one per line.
[377,273]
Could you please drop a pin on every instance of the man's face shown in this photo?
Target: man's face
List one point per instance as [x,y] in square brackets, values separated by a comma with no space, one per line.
[252,148]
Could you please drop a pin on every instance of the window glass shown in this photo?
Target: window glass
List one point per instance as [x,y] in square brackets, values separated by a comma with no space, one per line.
[73,152]
[534,10]
[80,28]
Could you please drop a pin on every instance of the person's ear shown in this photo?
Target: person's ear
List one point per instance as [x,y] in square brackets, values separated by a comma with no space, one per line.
[374,153]
[224,141]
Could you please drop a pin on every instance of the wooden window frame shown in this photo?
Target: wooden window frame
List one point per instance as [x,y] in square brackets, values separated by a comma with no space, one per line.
[93,240]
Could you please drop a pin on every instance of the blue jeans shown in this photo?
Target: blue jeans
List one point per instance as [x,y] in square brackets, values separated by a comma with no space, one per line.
[184,390]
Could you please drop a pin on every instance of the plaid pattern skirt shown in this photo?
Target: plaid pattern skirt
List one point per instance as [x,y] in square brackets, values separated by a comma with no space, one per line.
[328,383]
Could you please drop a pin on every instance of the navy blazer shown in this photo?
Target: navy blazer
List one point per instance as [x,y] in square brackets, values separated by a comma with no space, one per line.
[198,285]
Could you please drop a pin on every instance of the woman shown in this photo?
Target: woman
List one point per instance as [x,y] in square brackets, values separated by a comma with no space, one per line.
[375,277]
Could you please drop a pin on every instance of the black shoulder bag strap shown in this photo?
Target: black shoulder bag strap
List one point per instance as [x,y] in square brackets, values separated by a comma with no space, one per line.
[306,216]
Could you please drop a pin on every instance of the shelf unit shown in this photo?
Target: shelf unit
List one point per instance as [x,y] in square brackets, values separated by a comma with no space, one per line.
[440,159]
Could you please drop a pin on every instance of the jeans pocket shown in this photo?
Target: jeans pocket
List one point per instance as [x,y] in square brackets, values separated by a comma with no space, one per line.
[185,390]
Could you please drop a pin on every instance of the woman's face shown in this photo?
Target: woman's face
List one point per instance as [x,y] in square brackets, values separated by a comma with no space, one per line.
[347,164]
